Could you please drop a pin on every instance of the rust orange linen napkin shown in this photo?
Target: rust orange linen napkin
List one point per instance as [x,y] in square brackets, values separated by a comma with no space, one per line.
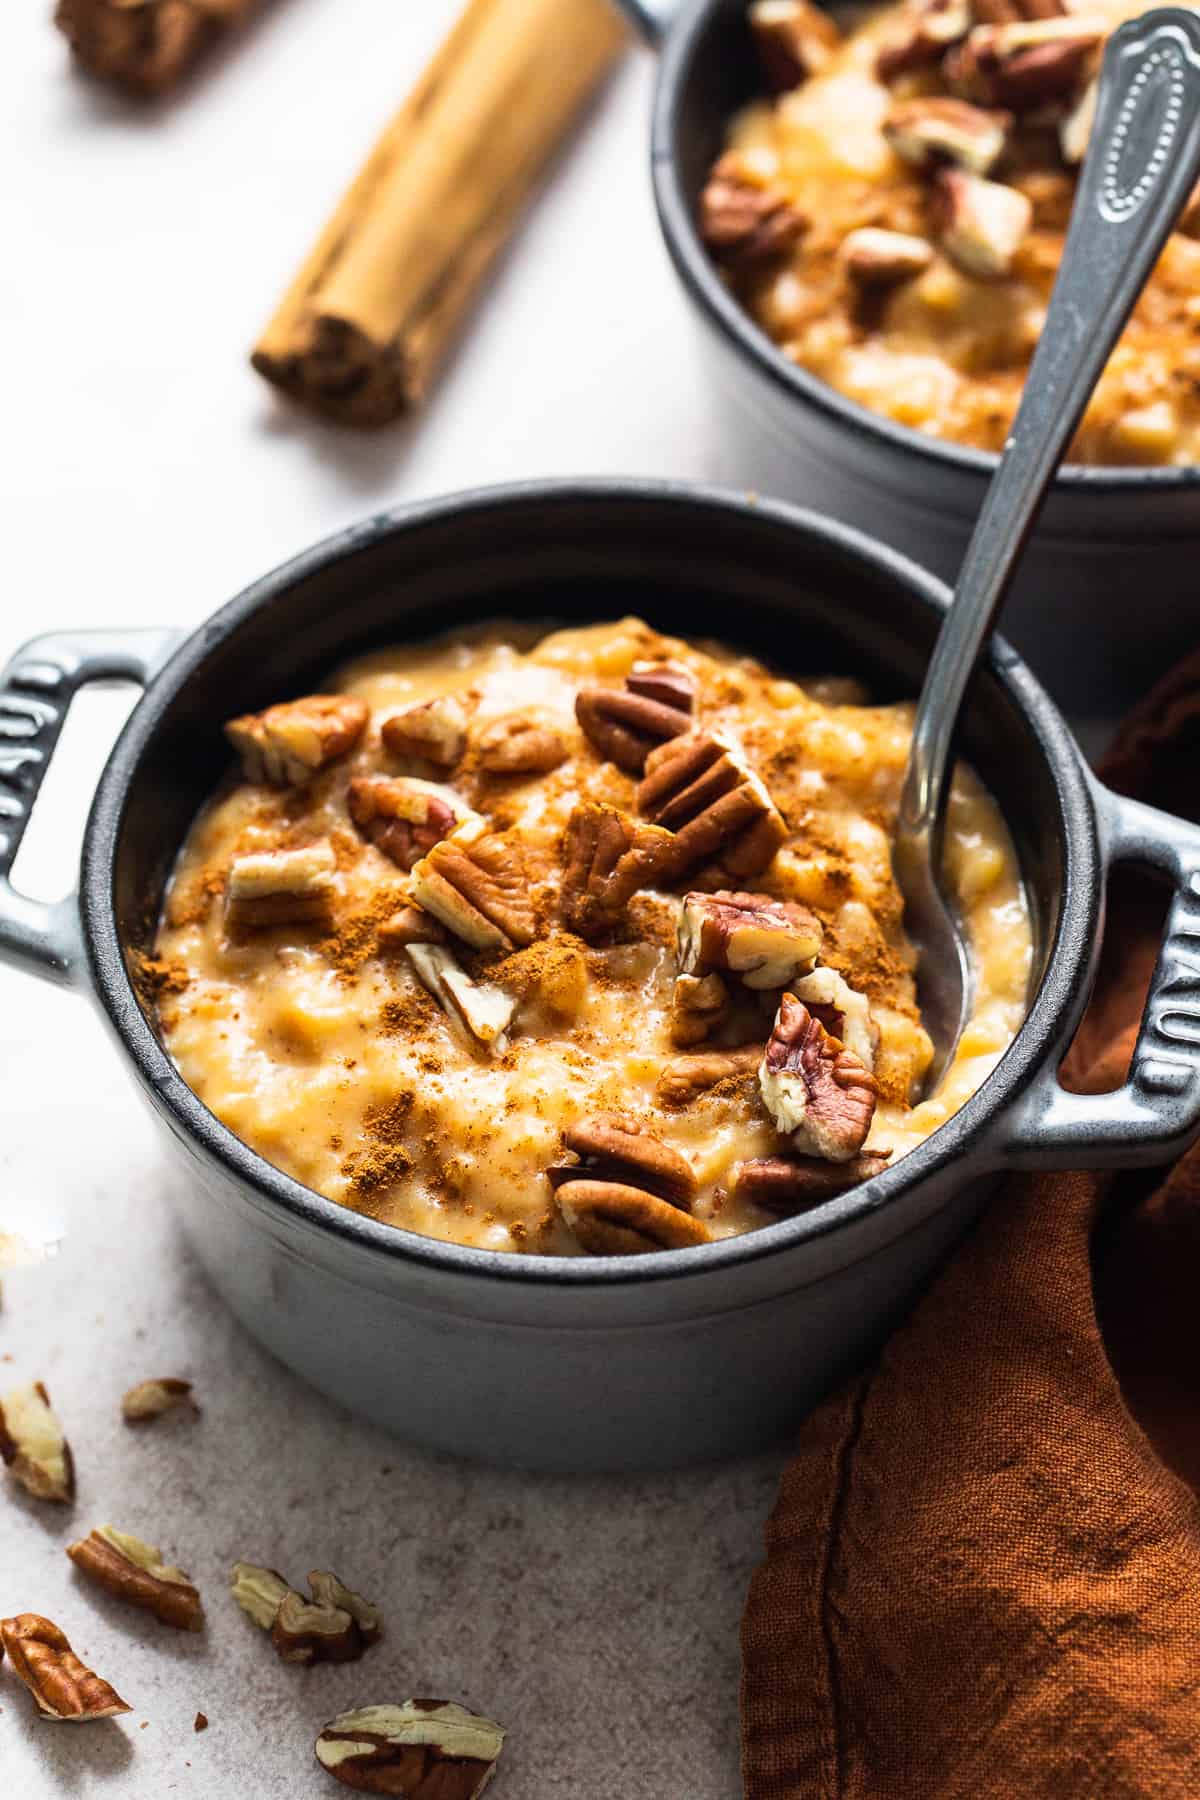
[982,1574]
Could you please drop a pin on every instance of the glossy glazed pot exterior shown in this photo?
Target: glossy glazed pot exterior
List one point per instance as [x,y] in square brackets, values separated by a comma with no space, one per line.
[1106,596]
[590,1363]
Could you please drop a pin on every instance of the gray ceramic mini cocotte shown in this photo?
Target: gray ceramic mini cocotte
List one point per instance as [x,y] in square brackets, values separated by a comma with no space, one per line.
[592,1363]
[1106,596]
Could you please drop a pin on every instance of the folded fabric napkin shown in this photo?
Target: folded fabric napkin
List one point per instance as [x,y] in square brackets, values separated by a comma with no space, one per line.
[982,1574]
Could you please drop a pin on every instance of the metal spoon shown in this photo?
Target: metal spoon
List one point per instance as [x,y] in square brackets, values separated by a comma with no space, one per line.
[1143,161]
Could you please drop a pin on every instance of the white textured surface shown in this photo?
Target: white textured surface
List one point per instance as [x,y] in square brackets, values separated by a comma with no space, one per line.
[148,475]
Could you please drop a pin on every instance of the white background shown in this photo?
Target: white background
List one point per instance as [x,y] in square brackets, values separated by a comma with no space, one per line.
[148,475]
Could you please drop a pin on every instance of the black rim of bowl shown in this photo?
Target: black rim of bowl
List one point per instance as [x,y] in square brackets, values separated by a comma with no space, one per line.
[703,282]
[1039,1037]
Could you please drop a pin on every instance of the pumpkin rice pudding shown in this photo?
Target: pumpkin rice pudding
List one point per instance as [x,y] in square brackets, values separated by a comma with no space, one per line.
[586,943]
[893,216]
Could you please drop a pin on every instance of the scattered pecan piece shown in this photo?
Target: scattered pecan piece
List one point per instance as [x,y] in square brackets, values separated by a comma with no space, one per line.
[136,1572]
[767,942]
[287,744]
[685,1078]
[434,731]
[930,131]
[795,1184]
[608,858]
[698,1005]
[151,1399]
[404,817]
[328,1590]
[1025,65]
[745,220]
[336,1625]
[720,811]
[259,1592]
[485,1010]
[476,885]
[794,40]
[842,1010]
[816,1090]
[624,724]
[982,222]
[63,1687]
[613,1147]
[33,1445]
[610,1218]
[410,925]
[421,1750]
[933,28]
[874,258]
[520,745]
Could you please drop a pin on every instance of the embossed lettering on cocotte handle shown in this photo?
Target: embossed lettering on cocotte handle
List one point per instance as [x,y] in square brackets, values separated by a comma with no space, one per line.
[36,690]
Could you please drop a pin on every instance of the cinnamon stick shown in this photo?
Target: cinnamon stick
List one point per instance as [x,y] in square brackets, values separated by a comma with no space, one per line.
[364,326]
[145,45]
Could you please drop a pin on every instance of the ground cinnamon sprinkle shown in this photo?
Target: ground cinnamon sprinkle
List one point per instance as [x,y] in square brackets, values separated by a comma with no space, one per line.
[154,977]
[408,1014]
[386,1159]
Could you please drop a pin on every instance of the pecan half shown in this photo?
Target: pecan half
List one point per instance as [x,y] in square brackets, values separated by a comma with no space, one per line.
[613,1147]
[520,745]
[607,858]
[934,130]
[434,731]
[149,1400]
[767,942]
[610,1218]
[745,220]
[874,258]
[421,1750]
[842,1010]
[685,1078]
[794,40]
[287,744]
[336,1625]
[1027,64]
[136,1572]
[719,810]
[816,1090]
[33,1445]
[281,887]
[624,724]
[795,1184]
[410,925]
[477,886]
[259,1592]
[698,1005]
[404,817]
[931,30]
[982,222]
[485,1010]
[62,1686]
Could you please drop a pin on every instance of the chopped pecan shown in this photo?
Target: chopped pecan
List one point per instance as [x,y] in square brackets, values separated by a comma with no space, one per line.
[281,887]
[63,1687]
[685,1078]
[484,1009]
[767,942]
[745,220]
[874,258]
[520,744]
[287,744]
[328,1590]
[842,1010]
[1075,131]
[404,817]
[410,925]
[607,858]
[698,1006]
[1025,65]
[614,1147]
[476,885]
[33,1445]
[929,32]
[151,1399]
[259,1592]
[934,130]
[671,684]
[422,1750]
[136,1572]
[610,1218]
[624,724]
[328,1628]
[794,40]
[816,1090]
[982,222]
[433,731]
[795,1184]
[719,810]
